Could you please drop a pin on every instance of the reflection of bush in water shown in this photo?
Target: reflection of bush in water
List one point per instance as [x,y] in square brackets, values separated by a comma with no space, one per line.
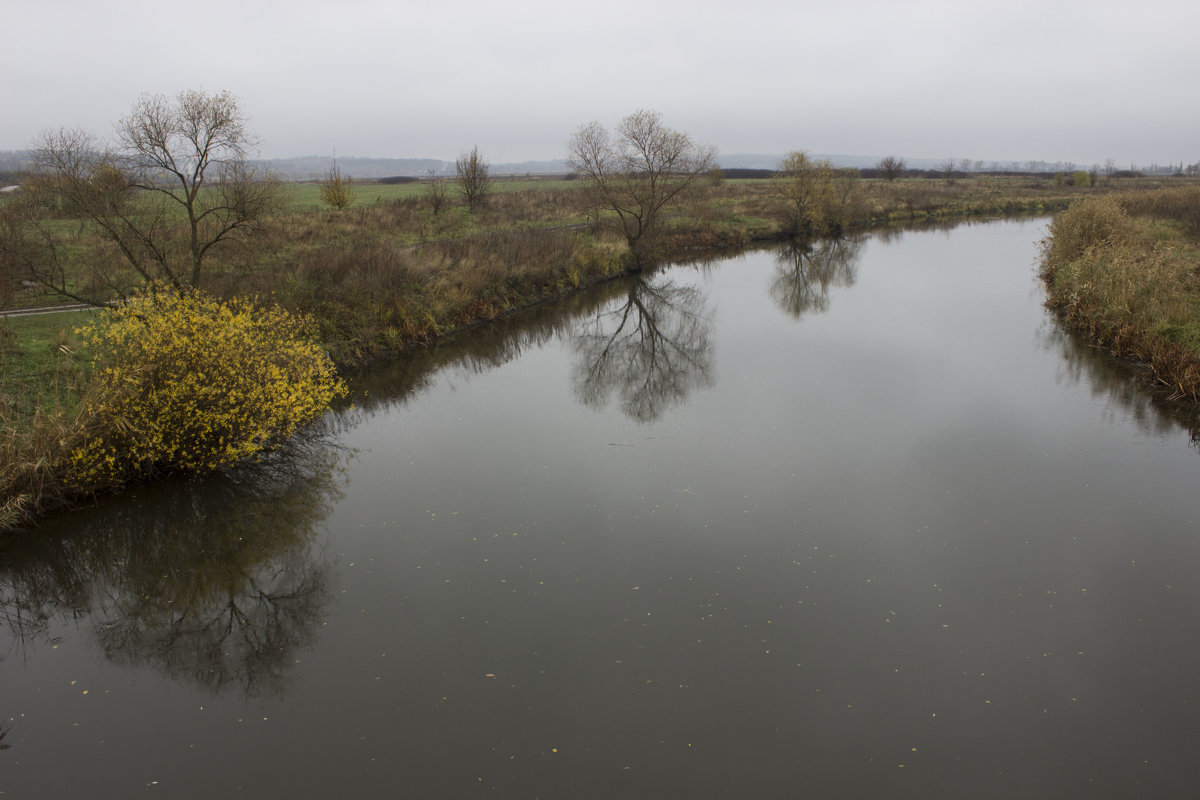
[805,271]
[652,350]
[1118,381]
[216,580]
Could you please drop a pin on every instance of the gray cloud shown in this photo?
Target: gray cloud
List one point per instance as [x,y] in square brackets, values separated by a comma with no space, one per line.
[1018,80]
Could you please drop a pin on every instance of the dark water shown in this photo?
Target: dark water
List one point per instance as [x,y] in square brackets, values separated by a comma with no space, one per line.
[858,521]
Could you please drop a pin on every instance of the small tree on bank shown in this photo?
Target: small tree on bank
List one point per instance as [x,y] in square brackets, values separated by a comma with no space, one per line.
[175,188]
[890,167]
[947,169]
[336,191]
[474,182]
[639,172]
[806,187]
[437,189]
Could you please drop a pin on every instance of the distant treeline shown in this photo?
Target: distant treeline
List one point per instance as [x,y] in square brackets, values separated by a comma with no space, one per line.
[744,174]
[12,177]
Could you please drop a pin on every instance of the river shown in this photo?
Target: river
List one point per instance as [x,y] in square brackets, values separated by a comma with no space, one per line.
[857,519]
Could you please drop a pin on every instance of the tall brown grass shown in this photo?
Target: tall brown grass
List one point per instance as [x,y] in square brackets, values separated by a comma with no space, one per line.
[39,427]
[371,297]
[1131,283]
[33,463]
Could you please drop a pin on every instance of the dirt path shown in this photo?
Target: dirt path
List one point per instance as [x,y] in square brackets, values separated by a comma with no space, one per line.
[29,312]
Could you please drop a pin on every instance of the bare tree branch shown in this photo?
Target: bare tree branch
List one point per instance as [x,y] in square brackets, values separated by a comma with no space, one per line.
[172,189]
[473,179]
[638,173]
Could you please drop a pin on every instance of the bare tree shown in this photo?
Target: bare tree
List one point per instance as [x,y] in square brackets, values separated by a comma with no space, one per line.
[173,189]
[1110,168]
[637,173]
[336,190]
[806,187]
[947,169]
[438,191]
[192,154]
[890,167]
[473,179]
[847,202]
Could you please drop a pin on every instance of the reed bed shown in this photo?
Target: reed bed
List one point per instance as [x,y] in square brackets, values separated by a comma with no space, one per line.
[1125,271]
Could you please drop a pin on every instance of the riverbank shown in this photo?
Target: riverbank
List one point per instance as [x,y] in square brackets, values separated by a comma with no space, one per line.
[1125,271]
[393,274]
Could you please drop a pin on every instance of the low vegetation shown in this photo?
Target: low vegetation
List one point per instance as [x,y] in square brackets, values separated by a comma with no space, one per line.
[372,268]
[1125,270]
[179,382]
[186,383]
[43,375]
[336,190]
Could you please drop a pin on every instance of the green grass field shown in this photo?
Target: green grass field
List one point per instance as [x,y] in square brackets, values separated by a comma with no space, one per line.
[304,197]
[40,360]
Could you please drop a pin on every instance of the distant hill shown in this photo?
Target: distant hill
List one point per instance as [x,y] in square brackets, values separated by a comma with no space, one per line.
[309,168]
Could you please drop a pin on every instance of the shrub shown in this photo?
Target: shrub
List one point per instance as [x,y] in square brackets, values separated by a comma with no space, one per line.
[1092,222]
[1181,204]
[336,190]
[184,382]
[805,188]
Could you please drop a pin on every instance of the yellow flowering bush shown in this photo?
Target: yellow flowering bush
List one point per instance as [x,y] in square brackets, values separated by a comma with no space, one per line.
[185,382]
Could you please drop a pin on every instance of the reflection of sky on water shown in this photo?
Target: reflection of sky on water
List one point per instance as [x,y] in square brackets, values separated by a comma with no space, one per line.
[218,582]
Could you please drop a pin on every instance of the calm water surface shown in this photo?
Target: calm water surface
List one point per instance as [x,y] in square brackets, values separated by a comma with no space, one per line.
[857,520]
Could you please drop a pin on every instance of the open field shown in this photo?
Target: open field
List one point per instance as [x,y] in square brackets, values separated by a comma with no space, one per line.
[305,197]
[40,356]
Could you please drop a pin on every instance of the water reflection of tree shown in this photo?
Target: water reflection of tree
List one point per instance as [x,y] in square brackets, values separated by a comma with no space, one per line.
[393,382]
[805,271]
[216,581]
[652,350]
[894,234]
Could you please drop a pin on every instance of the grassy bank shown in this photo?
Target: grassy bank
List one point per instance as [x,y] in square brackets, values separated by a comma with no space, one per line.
[392,272]
[1125,270]
[384,275]
[43,376]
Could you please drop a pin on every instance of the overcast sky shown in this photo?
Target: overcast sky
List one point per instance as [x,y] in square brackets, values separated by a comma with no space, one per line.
[997,80]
